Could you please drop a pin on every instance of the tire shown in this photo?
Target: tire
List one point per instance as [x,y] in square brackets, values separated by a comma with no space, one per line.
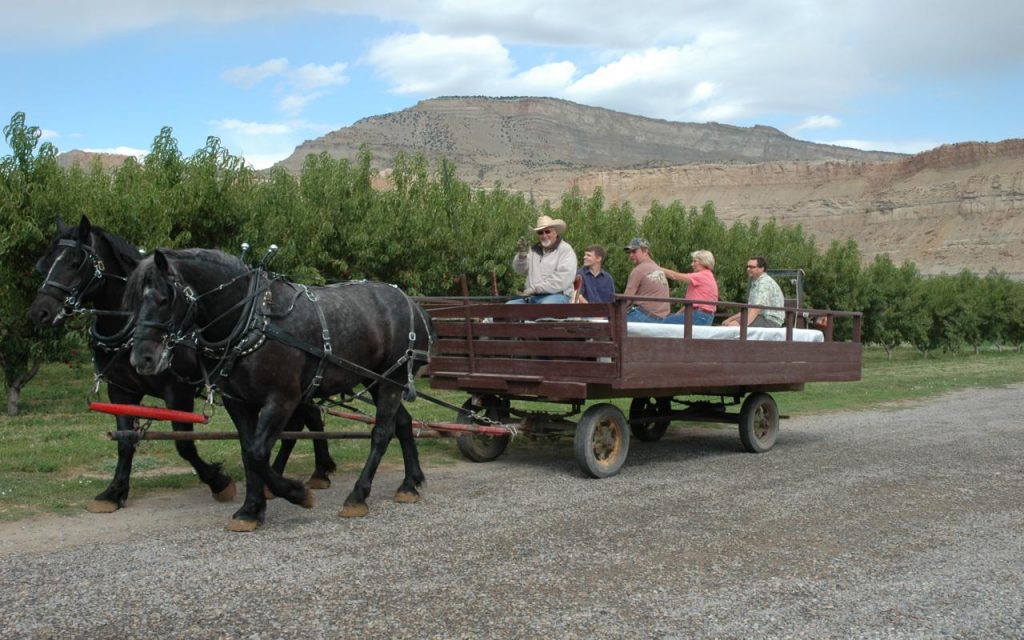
[650,430]
[602,441]
[478,447]
[759,423]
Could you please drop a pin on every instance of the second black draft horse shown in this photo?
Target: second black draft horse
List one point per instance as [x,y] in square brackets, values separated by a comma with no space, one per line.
[271,345]
[86,270]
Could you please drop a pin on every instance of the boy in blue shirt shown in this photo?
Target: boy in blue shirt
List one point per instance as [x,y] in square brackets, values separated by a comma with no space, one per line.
[598,285]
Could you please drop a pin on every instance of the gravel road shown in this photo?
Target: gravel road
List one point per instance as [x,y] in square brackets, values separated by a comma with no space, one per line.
[897,523]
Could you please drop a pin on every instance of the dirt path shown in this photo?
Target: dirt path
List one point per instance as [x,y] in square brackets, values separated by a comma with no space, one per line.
[899,523]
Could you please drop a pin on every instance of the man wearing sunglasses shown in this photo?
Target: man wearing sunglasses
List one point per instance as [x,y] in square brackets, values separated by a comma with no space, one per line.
[764,292]
[549,265]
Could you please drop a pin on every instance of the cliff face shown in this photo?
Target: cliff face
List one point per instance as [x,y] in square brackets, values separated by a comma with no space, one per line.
[499,139]
[955,207]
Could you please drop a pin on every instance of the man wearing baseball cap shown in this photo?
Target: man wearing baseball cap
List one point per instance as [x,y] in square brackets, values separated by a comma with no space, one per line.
[648,280]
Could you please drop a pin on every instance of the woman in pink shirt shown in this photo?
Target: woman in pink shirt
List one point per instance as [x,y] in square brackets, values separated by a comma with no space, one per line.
[701,285]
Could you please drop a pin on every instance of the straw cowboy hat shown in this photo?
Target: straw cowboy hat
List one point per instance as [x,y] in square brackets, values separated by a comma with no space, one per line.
[545,222]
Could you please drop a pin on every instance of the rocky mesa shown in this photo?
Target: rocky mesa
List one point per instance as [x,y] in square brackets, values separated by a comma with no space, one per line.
[954,207]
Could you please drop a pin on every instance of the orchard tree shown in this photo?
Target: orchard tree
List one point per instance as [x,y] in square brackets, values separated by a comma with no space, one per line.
[997,311]
[888,302]
[32,196]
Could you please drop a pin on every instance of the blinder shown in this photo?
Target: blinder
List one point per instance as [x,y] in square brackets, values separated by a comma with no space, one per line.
[71,297]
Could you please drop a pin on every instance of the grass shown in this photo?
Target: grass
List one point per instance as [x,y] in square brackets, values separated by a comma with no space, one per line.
[55,456]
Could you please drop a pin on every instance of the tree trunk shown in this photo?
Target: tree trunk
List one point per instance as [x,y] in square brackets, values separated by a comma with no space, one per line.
[13,396]
[14,390]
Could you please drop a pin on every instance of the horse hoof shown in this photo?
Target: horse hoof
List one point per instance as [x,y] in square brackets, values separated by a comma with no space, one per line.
[319,483]
[227,494]
[102,506]
[354,510]
[243,526]
[268,494]
[307,500]
[406,497]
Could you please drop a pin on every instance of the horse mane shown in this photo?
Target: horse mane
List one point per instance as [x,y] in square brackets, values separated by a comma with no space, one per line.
[127,256]
[146,273]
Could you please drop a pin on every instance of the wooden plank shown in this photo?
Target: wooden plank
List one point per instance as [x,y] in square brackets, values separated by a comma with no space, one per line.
[554,370]
[731,351]
[643,375]
[527,330]
[522,312]
[521,348]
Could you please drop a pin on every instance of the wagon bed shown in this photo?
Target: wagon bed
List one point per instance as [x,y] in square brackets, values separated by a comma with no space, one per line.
[574,353]
[585,352]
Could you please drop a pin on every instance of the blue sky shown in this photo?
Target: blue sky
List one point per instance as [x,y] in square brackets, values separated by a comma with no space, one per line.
[264,75]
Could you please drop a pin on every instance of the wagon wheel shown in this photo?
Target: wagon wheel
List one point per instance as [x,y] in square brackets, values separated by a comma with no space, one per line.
[478,447]
[649,430]
[602,440]
[759,422]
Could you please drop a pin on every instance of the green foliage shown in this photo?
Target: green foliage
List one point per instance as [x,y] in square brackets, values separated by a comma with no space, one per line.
[33,190]
[418,226]
[890,315]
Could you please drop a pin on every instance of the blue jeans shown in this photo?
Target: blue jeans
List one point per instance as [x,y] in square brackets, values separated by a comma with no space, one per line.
[636,314]
[542,298]
[700,317]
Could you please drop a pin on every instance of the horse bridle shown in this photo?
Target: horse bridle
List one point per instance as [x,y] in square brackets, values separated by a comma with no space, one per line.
[71,297]
[173,333]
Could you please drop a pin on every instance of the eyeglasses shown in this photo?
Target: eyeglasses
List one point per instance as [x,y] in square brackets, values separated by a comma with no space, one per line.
[752,266]
[544,232]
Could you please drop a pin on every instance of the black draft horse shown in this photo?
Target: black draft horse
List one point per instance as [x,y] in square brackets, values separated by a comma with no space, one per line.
[294,343]
[86,270]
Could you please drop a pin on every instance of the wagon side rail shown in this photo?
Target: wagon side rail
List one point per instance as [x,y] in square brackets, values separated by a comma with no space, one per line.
[553,350]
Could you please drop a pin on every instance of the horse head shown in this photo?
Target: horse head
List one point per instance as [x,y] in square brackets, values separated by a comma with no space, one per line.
[182,295]
[164,310]
[81,266]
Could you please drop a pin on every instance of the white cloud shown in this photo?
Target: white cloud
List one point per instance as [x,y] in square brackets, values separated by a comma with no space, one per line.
[266,160]
[816,122]
[438,64]
[253,128]
[48,134]
[545,79]
[304,84]
[262,144]
[315,76]
[248,77]
[121,151]
[294,104]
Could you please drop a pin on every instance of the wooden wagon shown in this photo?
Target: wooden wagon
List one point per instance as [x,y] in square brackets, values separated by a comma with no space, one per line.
[510,357]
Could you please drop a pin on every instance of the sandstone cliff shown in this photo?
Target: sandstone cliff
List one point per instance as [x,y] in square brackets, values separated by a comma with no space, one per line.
[958,206]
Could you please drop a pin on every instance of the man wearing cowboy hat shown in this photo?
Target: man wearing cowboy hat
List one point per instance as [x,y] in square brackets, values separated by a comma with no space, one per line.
[549,265]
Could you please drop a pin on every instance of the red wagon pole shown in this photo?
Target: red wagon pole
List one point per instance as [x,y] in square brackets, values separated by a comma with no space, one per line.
[432,429]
